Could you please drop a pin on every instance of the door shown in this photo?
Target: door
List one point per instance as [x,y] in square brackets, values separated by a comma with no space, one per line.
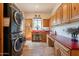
[65,13]
[59,15]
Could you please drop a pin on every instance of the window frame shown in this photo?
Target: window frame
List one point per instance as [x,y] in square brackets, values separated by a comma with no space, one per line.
[33,24]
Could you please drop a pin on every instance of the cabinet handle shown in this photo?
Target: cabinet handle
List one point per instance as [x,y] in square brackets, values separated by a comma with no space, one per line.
[74,8]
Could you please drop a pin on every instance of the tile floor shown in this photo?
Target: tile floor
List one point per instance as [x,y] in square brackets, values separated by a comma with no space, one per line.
[37,49]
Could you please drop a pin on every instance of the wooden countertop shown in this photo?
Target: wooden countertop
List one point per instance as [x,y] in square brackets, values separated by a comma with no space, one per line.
[66,42]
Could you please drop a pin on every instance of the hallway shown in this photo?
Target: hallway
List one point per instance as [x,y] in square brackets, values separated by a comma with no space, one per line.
[37,49]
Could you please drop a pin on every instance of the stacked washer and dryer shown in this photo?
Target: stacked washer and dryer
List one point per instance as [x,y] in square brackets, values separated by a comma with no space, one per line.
[15,34]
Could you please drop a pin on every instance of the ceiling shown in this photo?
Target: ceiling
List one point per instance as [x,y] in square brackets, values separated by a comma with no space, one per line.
[36,7]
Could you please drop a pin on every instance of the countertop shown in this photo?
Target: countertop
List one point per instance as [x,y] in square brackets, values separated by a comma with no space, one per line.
[67,42]
[43,31]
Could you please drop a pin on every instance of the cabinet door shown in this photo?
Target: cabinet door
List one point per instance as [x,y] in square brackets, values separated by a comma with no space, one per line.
[75,11]
[50,23]
[54,19]
[65,13]
[64,52]
[57,49]
[45,22]
[59,15]
[43,36]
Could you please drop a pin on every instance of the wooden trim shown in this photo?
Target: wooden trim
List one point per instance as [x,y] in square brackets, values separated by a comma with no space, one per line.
[1,29]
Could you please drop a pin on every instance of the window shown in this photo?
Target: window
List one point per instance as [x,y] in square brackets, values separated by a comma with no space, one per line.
[37,24]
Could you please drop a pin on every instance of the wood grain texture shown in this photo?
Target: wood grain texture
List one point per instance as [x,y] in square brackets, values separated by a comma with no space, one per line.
[28,29]
[1,29]
[45,22]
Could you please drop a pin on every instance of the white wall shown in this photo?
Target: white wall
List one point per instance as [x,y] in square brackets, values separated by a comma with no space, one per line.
[62,30]
[6,22]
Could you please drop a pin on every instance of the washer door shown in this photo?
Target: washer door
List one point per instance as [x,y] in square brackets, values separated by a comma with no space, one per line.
[18,17]
[18,44]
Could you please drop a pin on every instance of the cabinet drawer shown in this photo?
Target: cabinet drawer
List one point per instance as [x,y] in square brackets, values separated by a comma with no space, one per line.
[64,52]
[61,46]
[64,48]
[56,44]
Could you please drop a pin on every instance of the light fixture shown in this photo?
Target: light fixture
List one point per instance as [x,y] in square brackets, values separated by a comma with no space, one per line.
[37,17]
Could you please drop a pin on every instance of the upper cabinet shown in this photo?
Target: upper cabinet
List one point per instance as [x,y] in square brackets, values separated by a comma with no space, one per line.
[54,19]
[74,11]
[45,22]
[65,12]
[50,22]
[59,16]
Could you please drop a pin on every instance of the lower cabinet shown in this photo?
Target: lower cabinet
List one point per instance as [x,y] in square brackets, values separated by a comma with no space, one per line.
[57,51]
[64,53]
[36,37]
[50,41]
[43,36]
[61,50]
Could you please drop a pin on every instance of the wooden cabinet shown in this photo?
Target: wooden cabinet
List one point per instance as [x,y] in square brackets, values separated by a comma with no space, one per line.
[59,15]
[75,11]
[61,50]
[57,49]
[66,11]
[45,22]
[36,36]
[43,36]
[50,41]
[54,19]
[50,23]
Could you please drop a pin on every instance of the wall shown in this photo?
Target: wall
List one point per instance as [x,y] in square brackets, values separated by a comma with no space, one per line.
[62,30]
[6,21]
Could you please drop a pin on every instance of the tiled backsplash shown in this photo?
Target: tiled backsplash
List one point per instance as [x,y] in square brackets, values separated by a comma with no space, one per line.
[62,30]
